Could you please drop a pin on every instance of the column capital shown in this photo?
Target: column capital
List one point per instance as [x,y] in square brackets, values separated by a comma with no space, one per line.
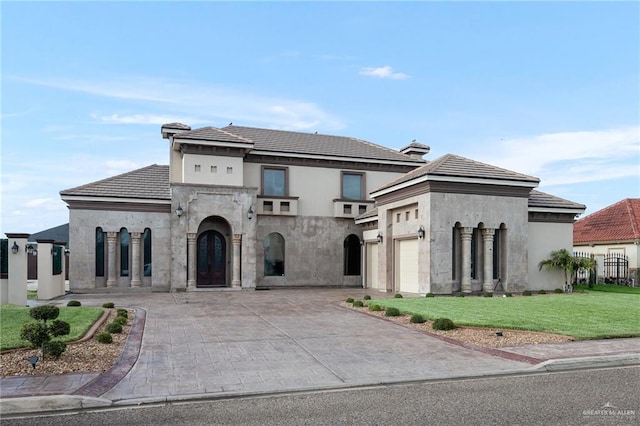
[191,236]
[488,232]
[135,235]
[236,239]
[112,235]
[466,233]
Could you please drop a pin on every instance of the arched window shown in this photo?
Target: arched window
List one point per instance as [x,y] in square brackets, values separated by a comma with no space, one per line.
[125,241]
[99,252]
[273,255]
[146,246]
[352,255]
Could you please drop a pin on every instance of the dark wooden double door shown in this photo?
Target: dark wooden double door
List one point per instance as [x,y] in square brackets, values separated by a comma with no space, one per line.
[212,260]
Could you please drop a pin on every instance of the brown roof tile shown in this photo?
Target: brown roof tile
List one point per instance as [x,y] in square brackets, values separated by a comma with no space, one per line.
[617,222]
[280,141]
[544,200]
[151,183]
[452,165]
[213,134]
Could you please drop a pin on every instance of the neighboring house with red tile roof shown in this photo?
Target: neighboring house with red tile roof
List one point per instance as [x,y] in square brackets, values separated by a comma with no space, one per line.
[613,230]
[248,208]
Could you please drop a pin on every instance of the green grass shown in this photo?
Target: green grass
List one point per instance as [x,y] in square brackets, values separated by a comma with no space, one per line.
[610,288]
[13,317]
[32,294]
[588,315]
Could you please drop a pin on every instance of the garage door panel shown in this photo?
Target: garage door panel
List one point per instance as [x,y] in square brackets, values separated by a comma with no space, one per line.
[407,264]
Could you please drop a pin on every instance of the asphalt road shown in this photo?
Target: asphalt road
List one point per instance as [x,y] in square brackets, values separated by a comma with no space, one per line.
[601,396]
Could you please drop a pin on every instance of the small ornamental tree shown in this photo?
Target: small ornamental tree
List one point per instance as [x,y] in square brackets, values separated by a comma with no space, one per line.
[40,334]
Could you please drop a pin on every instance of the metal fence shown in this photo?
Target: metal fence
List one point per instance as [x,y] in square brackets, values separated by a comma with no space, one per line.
[616,269]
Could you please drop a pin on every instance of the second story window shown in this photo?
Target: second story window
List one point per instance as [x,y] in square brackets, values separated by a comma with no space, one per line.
[274,181]
[352,186]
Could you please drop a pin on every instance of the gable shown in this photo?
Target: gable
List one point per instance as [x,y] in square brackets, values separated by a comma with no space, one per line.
[619,222]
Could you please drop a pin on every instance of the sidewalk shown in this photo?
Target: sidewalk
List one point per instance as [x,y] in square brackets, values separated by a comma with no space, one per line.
[213,344]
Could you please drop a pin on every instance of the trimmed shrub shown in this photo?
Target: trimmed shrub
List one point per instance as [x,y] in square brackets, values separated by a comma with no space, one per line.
[559,290]
[508,295]
[35,333]
[397,296]
[74,303]
[460,295]
[358,303]
[542,292]
[121,312]
[374,307]
[114,327]
[526,293]
[121,320]
[108,305]
[104,338]
[417,319]
[54,348]
[429,295]
[443,324]
[59,328]
[367,297]
[392,312]
[487,294]
[349,300]
[44,312]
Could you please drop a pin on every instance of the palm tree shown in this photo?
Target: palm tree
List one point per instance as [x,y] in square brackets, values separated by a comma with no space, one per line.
[559,260]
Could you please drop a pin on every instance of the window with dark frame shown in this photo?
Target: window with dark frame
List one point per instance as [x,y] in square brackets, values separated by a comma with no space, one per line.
[352,186]
[274,181]
[99,252]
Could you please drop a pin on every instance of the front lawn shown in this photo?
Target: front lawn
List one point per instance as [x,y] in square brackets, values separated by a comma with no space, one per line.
[588,315]
[610,288]
[13,317]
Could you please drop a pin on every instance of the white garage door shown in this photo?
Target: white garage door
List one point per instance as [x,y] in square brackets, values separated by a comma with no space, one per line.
[372,266]
[407,266]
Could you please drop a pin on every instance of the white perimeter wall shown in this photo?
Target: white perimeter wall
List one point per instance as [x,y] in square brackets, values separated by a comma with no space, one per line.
[544,238]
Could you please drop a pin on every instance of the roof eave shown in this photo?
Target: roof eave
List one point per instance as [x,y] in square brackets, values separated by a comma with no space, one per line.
[336,158]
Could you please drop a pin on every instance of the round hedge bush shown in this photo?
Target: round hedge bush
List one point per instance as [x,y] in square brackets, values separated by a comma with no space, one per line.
[429,295]
[367,297]
[558,290]
[349,300]
[44,312]
[542,292]
[54,348]
[397,296]
[460,295]
[74,303]
[526,293]
[417,319]
[59,328]
[392,312]
[374,307]
[120,320]
[487,294]
[108,305]
[114,327]
[358,303]
[121,312]
[508,295]
[104,338]
[443,324]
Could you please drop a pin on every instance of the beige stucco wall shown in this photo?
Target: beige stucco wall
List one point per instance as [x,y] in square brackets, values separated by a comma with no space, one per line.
[214,170]
[316,187]
[545,237]
[82,228]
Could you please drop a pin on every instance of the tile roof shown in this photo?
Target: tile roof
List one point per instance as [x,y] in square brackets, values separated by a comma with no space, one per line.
[451,165]
[280,141]
[544,200]
[151,183]
[617,222]
[212,134]
[177,126]
[59,234]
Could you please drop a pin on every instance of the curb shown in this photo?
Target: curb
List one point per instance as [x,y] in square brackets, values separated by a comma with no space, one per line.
[50,403]
[564,364]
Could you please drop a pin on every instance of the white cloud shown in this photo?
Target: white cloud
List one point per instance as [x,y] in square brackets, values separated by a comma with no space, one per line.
[383,72]
[192,102]
[569,157]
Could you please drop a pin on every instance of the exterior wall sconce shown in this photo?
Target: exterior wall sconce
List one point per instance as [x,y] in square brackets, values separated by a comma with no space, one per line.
[379,237]
[31,249]
[14,248]
[67,252]
[250,213]
[421,232]
[179,210]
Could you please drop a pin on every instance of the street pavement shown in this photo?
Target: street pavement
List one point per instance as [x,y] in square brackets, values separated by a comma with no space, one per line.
[208,344]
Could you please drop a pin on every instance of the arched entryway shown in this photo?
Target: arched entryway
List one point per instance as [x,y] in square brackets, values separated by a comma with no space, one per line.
[212,253]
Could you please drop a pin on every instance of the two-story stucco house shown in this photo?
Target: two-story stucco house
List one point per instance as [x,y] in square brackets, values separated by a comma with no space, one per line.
[242,207]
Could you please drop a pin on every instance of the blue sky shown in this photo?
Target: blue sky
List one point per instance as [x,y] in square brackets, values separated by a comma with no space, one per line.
[550,89]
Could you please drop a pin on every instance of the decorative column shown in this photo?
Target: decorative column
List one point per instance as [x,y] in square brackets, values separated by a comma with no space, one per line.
[487,239]
[465,280]
[14,290]
[135,259]
[236,241]
[191,259]
[111,253]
